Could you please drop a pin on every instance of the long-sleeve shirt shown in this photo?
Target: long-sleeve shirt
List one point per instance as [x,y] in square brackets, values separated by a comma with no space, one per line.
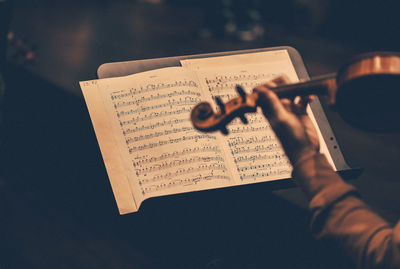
[338,214]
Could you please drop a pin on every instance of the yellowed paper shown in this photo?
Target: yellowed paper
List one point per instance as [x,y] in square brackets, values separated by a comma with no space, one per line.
[109,149]
[237,59]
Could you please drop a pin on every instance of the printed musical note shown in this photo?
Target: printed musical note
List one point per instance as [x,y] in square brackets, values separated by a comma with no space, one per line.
[141,160]
[259,157]
[234,141]
[130,140]
[171,141]
[282,173]
[264,166]
[152,87]
[182,182]
[188,100]
[239,77]
[255,148]
[176,163]
[122,94]
[184,171]
[152,126]
[155,114]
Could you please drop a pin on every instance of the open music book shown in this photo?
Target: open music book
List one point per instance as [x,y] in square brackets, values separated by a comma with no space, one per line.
[149,145]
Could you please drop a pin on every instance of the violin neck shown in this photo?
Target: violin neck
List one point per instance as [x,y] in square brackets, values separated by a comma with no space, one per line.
[319,85]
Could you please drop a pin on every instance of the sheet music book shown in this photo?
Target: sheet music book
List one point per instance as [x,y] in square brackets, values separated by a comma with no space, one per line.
[150,149]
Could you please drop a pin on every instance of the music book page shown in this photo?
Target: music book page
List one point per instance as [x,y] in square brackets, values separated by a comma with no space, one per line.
[142,123]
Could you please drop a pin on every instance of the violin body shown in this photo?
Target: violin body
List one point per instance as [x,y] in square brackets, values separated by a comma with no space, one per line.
[365,92]
[369,92]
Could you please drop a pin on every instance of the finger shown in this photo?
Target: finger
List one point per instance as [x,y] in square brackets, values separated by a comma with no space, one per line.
[300,106]
[282,79]
[269,84]
[298,109]
[305,100]
[287,104]
[270,103]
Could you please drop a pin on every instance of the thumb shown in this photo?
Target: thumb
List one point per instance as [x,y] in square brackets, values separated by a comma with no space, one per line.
[270,104]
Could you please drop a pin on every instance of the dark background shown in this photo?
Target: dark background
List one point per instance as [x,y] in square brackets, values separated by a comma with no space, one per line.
[57,209]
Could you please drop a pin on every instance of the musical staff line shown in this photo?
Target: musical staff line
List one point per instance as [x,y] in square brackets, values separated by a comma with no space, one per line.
[240,140]
[184,171]
[249,129]
[175,154]
[130,140]
[154,115]
[160,86]
[262,166]
[188,100]
[258,157]
[263,175]
[239,77]
[156,125]
[177,163]
[182,182]
[169,141]
[257,148]
[131,93]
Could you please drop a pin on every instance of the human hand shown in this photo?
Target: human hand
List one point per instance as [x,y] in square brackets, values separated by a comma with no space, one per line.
[289,120]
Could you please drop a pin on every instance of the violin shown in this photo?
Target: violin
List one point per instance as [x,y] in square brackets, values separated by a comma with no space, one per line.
[365,92]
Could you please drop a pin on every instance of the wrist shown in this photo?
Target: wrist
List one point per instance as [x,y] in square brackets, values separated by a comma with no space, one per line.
[301,155]
[313,174]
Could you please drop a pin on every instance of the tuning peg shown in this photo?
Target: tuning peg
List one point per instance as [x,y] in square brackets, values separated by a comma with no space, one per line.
[220,104]
[241,93]
[244,119]
[224,130]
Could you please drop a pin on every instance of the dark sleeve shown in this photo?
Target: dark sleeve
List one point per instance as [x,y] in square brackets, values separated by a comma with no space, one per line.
[339,215]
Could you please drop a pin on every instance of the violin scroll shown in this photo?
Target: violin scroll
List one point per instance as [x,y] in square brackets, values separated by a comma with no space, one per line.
[205,119]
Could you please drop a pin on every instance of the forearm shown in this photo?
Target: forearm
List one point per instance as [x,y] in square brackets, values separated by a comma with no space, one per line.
[339,215]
